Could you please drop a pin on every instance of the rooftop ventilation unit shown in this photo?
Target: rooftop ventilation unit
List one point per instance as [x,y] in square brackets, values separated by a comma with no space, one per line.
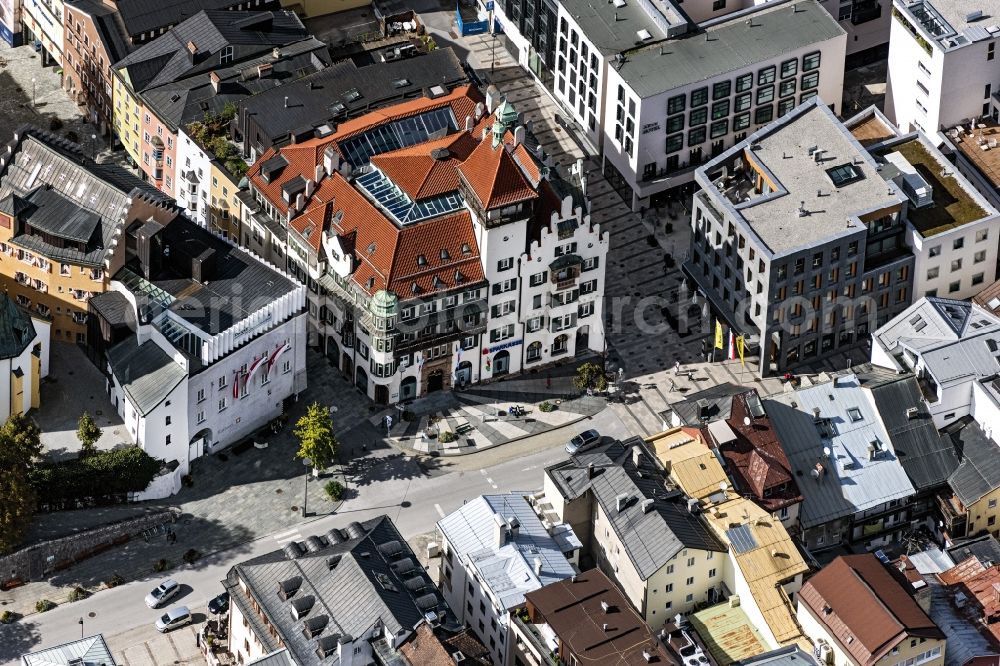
[914,186]
[619,3]
[621,501]
[974,16]
[644,35]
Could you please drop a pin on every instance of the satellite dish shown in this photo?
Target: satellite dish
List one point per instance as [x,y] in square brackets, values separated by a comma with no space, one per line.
[746,421]
[826,451]
[722,486]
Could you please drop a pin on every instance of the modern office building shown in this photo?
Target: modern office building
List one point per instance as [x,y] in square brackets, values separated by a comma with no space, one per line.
[941,64]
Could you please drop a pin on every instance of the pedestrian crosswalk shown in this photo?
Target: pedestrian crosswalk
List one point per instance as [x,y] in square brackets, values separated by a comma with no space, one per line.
[288,536]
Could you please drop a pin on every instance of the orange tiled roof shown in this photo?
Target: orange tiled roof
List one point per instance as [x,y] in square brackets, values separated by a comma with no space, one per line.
[417,172]
[303,157]
[449,233]
[983,584]
[495,177]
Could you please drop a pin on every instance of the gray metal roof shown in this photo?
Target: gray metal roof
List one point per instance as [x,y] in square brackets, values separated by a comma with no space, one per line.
[792,655]
[145,372]
[93,651]
[713,403]
[141,16]
[17,331]
[613,29]
[651,537]
[730,46]
[279,658]
[985,548]
[928,458]
[979,471]
[114,308]
[851,482]
[957,340]
[508,570]
[55,215]
[354,583]
[103,190]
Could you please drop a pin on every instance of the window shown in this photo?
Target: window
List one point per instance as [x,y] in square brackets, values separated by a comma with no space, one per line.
[810,81]
[699,116]
[222,404]
[720,109]
[844,174]
[696,136]
[711,573]
[956,265]
[991,51]
[810,61]
[855,414]
[167,421]
[201,417]
[676,104]
[765,94]
[765,76]
[222,382]
[505,264]
[932,273]
[978,278]
[675,123]
[699,97]
[958,243]
[744,83]
[982,235]
[201,395]
[690,580]
[763,114]
[743,102]
[785,105]
[690,562]
[742,121]
[590,263]
[675,143]
[721,89]
[226,56]
[979,257]
[538,278]
[954,286]
[719,128]
[786,88]
[934,251]
[789,68]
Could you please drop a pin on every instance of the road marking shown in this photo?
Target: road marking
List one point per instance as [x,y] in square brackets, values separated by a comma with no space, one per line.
[483,472]
[437,507]
[278,536]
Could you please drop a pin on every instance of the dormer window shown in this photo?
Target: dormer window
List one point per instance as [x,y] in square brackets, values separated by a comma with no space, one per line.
[226,56]
[444,254]
[466,249]
[371,283]
[371,249]
[421,260]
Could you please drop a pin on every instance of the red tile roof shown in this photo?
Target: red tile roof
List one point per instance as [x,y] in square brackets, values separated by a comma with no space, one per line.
[982,584]
[865,608]
[759,463]
[494,176]
[418,172]
[427,239]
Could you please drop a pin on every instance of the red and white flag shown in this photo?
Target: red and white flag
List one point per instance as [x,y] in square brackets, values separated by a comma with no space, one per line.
[732,345]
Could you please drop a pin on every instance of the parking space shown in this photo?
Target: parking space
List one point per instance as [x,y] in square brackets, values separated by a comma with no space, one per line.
[143,646]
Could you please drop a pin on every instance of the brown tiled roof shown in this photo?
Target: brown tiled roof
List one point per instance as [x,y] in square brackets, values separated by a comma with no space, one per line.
[983,298]
[757,460]
[303,157]
[982,584]
[864,607]
[572,608]
[418,172]
[494,176]
[425,648]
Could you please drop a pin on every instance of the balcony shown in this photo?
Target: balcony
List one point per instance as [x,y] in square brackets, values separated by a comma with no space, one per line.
[535,640]
[565,284]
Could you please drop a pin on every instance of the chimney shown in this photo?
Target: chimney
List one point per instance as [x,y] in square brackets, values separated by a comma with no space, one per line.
[538,566]
[647,505]
[636,456]
[492,98]
[912,413]
[479,111]
[310,186]
[499,531]
[192,49]
[834,382]
[264,69]
[486,133]
[214,78]
[693,506]
[734,601]
[605,607]
[286,101]
[648,656]
[621,502]
[802,209]
[289,215]
[590,470]
[319,172]
[513,527]
[276,53]
[331,160]
[872,451]
[816,413]
[300,201]
[605,627]
[518,134]
[469,124]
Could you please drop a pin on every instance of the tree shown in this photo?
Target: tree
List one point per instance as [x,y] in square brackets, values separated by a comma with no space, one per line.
[315,433]
[88,433]
[20,442]
[17,506]
[590,375]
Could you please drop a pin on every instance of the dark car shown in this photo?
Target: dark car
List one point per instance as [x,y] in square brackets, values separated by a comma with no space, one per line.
[219,605]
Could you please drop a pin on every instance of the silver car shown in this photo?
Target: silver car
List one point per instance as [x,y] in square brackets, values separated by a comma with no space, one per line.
[583,441]
[173,618]
[162,593]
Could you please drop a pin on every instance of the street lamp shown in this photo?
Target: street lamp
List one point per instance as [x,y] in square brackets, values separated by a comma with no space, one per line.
[305,489]
[93,146]
[80,622]
[32,91]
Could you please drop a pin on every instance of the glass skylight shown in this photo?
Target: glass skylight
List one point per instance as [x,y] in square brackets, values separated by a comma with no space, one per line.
[398,134]
[399,205]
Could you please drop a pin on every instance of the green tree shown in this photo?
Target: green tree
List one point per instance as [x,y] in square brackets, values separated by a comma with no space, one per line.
[20,442]
[88,433]
[17,506]
[315,433]
[590,375]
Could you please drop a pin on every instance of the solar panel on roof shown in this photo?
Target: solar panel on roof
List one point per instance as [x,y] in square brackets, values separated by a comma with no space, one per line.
[742,538]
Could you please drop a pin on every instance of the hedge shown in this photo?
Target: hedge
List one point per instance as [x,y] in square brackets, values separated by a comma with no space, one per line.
[103,474]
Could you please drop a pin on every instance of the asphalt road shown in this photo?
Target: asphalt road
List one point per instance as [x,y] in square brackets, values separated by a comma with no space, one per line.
[414,494]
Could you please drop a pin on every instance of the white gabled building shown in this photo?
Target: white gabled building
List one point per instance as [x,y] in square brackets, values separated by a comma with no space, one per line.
[194,173]
[494,550]
[942,70]
[205,344]
[432,262]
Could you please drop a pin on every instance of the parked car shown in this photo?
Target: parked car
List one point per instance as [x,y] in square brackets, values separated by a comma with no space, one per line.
[219,605]
[162,593]
[173,618]
[585,440]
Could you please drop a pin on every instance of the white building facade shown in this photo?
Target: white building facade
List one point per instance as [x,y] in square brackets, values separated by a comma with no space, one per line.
[194,171]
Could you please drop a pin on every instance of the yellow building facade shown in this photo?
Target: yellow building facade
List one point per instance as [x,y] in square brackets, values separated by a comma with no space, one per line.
[127,117]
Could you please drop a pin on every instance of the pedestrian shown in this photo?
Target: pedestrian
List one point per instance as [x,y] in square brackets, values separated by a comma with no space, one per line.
[677,367]
[548,381]
[673,386]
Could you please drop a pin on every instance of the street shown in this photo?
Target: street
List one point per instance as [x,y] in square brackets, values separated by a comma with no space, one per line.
[415,504]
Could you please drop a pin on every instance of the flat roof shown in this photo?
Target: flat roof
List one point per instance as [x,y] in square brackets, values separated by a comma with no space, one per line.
[727,47]
[954,200]
[987,162]
[784,152]
[955,23]
[610,28]
[728,633]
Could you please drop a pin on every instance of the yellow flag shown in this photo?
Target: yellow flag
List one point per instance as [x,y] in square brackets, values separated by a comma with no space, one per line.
[718,334]
[739,348]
